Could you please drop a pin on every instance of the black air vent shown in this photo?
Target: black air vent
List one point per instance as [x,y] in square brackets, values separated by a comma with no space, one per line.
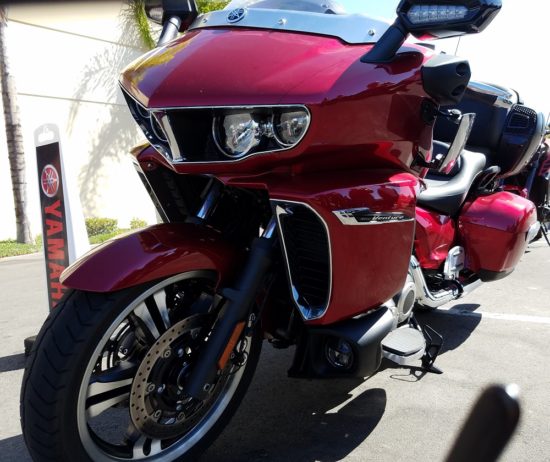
[308,255]
[521,119]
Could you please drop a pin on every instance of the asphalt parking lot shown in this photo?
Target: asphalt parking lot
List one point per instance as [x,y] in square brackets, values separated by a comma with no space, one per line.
[498,334]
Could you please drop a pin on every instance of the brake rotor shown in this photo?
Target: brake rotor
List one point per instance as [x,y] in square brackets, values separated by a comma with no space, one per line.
[157,406]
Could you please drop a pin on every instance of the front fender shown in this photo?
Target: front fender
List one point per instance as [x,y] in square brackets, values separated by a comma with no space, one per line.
[153,253]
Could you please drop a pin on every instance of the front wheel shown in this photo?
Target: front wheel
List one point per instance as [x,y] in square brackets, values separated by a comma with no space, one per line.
[105,379]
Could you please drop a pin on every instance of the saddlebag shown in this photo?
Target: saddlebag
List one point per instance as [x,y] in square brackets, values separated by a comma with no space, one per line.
[493,230]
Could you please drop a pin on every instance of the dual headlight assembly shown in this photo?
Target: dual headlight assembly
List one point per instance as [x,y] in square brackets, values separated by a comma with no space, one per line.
[238,134]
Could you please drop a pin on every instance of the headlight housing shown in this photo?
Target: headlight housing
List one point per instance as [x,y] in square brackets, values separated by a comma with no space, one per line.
[220,134]
[241,133]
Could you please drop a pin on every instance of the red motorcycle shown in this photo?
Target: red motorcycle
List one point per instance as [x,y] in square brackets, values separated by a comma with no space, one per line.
[287,146]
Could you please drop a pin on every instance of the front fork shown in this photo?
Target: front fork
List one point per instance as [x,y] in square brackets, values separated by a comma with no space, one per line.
[235,311]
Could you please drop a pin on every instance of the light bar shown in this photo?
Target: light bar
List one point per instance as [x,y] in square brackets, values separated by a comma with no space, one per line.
[423,14]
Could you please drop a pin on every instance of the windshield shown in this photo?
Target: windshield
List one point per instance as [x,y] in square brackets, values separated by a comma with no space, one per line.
[382,9]
[352,21]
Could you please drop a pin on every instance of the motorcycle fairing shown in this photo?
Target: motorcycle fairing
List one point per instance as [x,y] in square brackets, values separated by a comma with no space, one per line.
[369,260]
[366,114]
[153,253]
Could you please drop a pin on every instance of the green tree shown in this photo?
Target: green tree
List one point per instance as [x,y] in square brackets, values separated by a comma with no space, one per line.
[14,138]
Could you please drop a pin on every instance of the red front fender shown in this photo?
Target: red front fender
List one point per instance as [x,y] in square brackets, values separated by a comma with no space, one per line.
[153,253]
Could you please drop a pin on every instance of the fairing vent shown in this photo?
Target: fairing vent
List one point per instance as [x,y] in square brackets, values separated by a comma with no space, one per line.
[521,119]
[307,251]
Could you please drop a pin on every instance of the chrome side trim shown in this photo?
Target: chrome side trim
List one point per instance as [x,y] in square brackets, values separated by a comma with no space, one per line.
[307,313]
[533,231]
[433,300]
[364,216]
[503,97]
[351,28]
[175,153]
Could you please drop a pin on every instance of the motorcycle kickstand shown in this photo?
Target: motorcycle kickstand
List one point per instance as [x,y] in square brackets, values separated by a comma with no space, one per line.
[434,343]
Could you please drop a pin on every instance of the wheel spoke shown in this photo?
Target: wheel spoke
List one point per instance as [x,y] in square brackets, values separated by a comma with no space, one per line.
[109,388]
[146,321]
[156,305]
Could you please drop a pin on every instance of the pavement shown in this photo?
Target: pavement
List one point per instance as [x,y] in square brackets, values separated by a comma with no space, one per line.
[497,334]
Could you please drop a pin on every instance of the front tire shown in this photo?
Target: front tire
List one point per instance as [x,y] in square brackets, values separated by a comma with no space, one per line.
[104,379]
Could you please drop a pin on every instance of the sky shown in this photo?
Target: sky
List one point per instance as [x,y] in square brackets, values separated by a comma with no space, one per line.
[512,51]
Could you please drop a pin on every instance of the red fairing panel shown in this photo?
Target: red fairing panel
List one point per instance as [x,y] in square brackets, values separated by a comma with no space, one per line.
[369,262]
[493,230]
[369,114]
[434,238]
[157,252]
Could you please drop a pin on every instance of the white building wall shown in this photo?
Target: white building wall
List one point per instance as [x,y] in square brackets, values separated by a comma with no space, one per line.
[66,60]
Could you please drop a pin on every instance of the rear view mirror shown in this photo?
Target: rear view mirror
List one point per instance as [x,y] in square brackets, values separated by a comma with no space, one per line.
[446,18]
[160,11]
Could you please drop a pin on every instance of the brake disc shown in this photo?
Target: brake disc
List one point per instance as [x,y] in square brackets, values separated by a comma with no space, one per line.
[157,406]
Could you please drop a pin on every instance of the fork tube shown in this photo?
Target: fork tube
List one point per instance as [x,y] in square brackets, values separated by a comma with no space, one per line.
[236,308]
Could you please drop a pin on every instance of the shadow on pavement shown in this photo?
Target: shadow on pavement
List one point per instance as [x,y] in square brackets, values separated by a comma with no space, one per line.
[284,419]
[12,363]
[14,448]
[455,331]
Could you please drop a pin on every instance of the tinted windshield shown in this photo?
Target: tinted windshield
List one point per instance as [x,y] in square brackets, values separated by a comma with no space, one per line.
[383,9]
[311,6]
[353,21]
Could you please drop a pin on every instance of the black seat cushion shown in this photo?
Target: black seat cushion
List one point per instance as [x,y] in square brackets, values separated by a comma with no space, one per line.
[447,193]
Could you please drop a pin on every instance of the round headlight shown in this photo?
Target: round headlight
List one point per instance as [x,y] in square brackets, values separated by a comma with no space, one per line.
[237,134]
[290,127]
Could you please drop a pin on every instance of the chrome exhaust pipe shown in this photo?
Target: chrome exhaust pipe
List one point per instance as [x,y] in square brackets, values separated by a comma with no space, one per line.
[433,300]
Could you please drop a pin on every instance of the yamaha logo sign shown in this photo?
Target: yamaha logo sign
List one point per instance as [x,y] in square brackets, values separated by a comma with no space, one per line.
[49,180]
[236,15]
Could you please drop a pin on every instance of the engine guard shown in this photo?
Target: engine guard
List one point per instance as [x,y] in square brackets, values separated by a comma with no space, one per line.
[153,253]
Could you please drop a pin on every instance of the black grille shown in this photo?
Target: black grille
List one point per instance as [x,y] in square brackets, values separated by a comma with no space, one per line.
[308,255]
[521,119]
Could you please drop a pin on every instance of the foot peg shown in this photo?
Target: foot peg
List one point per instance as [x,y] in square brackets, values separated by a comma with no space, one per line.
[410,343]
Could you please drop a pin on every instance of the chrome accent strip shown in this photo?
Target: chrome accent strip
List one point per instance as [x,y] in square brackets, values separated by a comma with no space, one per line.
[429,299]
[533,231]
[305,312]
[157,116]
[212,195]
[175,153]
[270,229]
[349,217]
[504,98]
[351,28]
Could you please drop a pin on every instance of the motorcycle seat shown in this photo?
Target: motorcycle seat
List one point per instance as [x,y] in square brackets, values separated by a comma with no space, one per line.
[447,193]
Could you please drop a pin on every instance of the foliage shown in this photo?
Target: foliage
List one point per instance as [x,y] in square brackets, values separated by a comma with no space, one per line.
[100,238]
[97,226]
[12,248]
[137,223]
[206,6]
[135,12]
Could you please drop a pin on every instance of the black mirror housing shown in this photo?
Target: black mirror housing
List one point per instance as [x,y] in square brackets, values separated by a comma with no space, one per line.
[446,18]
[160,11]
